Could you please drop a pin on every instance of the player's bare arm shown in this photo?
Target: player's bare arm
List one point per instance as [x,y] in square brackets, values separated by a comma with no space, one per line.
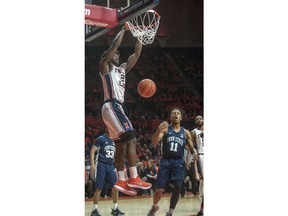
[92,153]
[104,64]
[190,144]
[132,60]
[187,162]
[160,132]
[193,135]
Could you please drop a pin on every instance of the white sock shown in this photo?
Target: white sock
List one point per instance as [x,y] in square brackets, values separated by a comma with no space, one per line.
[171,210]
[95,207]
[133,172]
[115,206]
[121,175]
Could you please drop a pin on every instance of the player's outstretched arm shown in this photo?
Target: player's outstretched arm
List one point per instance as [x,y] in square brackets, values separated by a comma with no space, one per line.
[112,49]
[132,60]
[158,135]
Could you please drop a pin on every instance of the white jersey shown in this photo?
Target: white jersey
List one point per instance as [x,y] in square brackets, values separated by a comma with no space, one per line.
[114,83]
[199,140]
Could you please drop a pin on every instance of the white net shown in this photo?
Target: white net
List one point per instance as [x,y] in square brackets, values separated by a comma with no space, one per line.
[145,26]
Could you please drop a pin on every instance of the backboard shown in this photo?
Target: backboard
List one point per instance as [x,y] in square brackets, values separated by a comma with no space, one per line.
[102,16]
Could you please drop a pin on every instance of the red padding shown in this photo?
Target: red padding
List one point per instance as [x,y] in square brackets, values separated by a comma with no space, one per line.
[100,16]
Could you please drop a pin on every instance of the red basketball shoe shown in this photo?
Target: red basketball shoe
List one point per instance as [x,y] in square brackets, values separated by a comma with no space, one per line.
[138,183]
[122,186]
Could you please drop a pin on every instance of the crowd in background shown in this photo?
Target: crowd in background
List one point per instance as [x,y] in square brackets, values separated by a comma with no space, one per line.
[178,75]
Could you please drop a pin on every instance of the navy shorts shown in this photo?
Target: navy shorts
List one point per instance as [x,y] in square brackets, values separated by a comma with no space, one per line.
[170,170]
[105,173]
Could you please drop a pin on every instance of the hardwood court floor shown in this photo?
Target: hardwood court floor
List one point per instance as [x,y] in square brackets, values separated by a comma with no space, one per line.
[139,206]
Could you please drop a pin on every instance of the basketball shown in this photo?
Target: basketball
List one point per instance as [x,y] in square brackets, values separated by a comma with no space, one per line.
[146,88]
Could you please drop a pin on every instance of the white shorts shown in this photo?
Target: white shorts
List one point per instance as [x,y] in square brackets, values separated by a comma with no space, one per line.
[201,162]
[201,185]
[115,119]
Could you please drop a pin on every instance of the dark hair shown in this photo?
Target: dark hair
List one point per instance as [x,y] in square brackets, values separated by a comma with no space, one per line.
[105,53]
[178,108]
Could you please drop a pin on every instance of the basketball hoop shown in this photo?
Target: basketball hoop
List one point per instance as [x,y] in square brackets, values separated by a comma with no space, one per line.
[144,26]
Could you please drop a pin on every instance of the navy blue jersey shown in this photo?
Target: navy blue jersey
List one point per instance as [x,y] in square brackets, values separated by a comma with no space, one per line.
[106,149]
[173,144]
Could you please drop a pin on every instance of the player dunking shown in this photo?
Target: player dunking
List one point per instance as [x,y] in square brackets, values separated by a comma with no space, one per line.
[198,140]
[114,113]
[104,171]
[172,165]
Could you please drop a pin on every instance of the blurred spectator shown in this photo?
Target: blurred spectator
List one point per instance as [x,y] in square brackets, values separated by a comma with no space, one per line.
[151,174]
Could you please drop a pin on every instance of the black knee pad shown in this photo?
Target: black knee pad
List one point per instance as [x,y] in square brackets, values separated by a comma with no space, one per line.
[127,136]
[175,194]
[177,185]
